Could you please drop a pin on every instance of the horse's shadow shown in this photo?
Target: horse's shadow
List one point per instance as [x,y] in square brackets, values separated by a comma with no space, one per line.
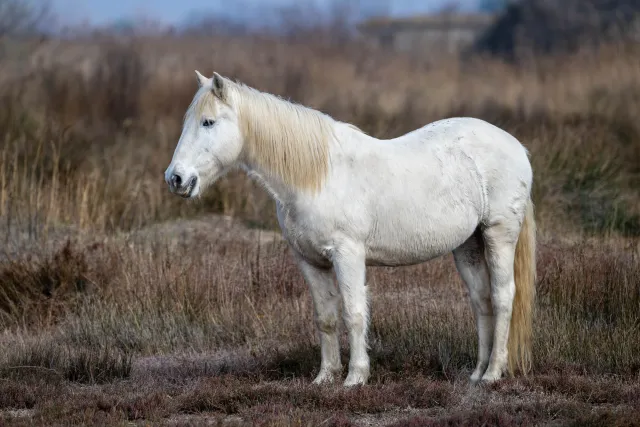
[301,362]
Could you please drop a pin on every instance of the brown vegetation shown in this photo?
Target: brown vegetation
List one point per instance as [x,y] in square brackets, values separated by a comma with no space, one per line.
[535,27]
[120,303]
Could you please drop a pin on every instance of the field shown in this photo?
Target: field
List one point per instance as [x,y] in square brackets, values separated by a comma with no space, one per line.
[123,304]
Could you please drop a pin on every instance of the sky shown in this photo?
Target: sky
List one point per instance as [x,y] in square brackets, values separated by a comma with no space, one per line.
[101,12]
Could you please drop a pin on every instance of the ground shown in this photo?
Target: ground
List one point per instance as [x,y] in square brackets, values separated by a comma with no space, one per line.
[92,369]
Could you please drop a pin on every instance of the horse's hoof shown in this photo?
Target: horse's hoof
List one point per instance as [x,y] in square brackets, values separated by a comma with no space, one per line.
[353,382]
[325,377]
[489,378]
[357,377]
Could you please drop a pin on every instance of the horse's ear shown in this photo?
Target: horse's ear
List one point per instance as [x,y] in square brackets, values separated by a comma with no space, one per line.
[219,86]
[202,80]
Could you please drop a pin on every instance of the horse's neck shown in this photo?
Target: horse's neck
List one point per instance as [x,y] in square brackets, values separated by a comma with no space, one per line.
[349,143]
[273,185]
[277,189]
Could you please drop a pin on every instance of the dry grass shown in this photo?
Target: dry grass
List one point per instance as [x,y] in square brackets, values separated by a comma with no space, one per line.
[120,303]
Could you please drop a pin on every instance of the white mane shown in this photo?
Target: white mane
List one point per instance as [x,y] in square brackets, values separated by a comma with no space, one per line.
[286,140]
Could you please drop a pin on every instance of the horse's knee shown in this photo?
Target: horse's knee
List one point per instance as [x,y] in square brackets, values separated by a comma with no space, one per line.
[327,322]
[356,322]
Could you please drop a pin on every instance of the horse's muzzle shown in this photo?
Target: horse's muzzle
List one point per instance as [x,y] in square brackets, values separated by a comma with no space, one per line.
[181,186]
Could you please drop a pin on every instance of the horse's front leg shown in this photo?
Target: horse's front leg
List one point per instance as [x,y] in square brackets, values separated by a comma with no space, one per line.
[325,301]
[349,265]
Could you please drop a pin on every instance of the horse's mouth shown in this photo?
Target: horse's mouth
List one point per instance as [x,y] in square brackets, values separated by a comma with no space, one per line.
[188,191]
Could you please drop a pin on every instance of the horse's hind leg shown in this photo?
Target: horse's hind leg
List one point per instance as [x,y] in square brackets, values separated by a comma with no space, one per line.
[326,300]
[500,246]
[472,266]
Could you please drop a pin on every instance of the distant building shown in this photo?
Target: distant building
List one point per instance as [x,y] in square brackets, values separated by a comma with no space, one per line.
[432,34]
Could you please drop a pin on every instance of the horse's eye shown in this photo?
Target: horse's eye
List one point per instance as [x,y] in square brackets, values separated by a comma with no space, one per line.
[208,122]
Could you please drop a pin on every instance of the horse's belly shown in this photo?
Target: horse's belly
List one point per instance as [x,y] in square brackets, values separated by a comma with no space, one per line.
[414,243]
[406,254]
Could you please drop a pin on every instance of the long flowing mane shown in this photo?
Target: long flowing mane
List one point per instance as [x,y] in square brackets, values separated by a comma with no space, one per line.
[286,140]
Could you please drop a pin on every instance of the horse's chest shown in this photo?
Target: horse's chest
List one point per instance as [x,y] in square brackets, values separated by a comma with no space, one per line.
[305,237]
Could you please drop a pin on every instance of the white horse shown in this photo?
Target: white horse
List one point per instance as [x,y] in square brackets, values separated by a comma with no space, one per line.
[346,200]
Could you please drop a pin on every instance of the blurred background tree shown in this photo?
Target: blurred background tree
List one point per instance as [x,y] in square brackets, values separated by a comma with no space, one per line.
[493,6]
[533,27]
[22,17]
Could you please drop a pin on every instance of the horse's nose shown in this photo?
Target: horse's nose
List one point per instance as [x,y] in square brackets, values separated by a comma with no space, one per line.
[176,180]
[181,183]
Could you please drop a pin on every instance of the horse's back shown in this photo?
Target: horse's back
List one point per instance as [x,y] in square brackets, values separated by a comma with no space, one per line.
[490,143]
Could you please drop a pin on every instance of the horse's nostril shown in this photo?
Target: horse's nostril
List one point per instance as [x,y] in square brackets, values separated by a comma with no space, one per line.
[177,180]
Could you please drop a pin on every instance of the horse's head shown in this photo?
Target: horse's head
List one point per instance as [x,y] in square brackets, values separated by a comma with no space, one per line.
[211,140]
